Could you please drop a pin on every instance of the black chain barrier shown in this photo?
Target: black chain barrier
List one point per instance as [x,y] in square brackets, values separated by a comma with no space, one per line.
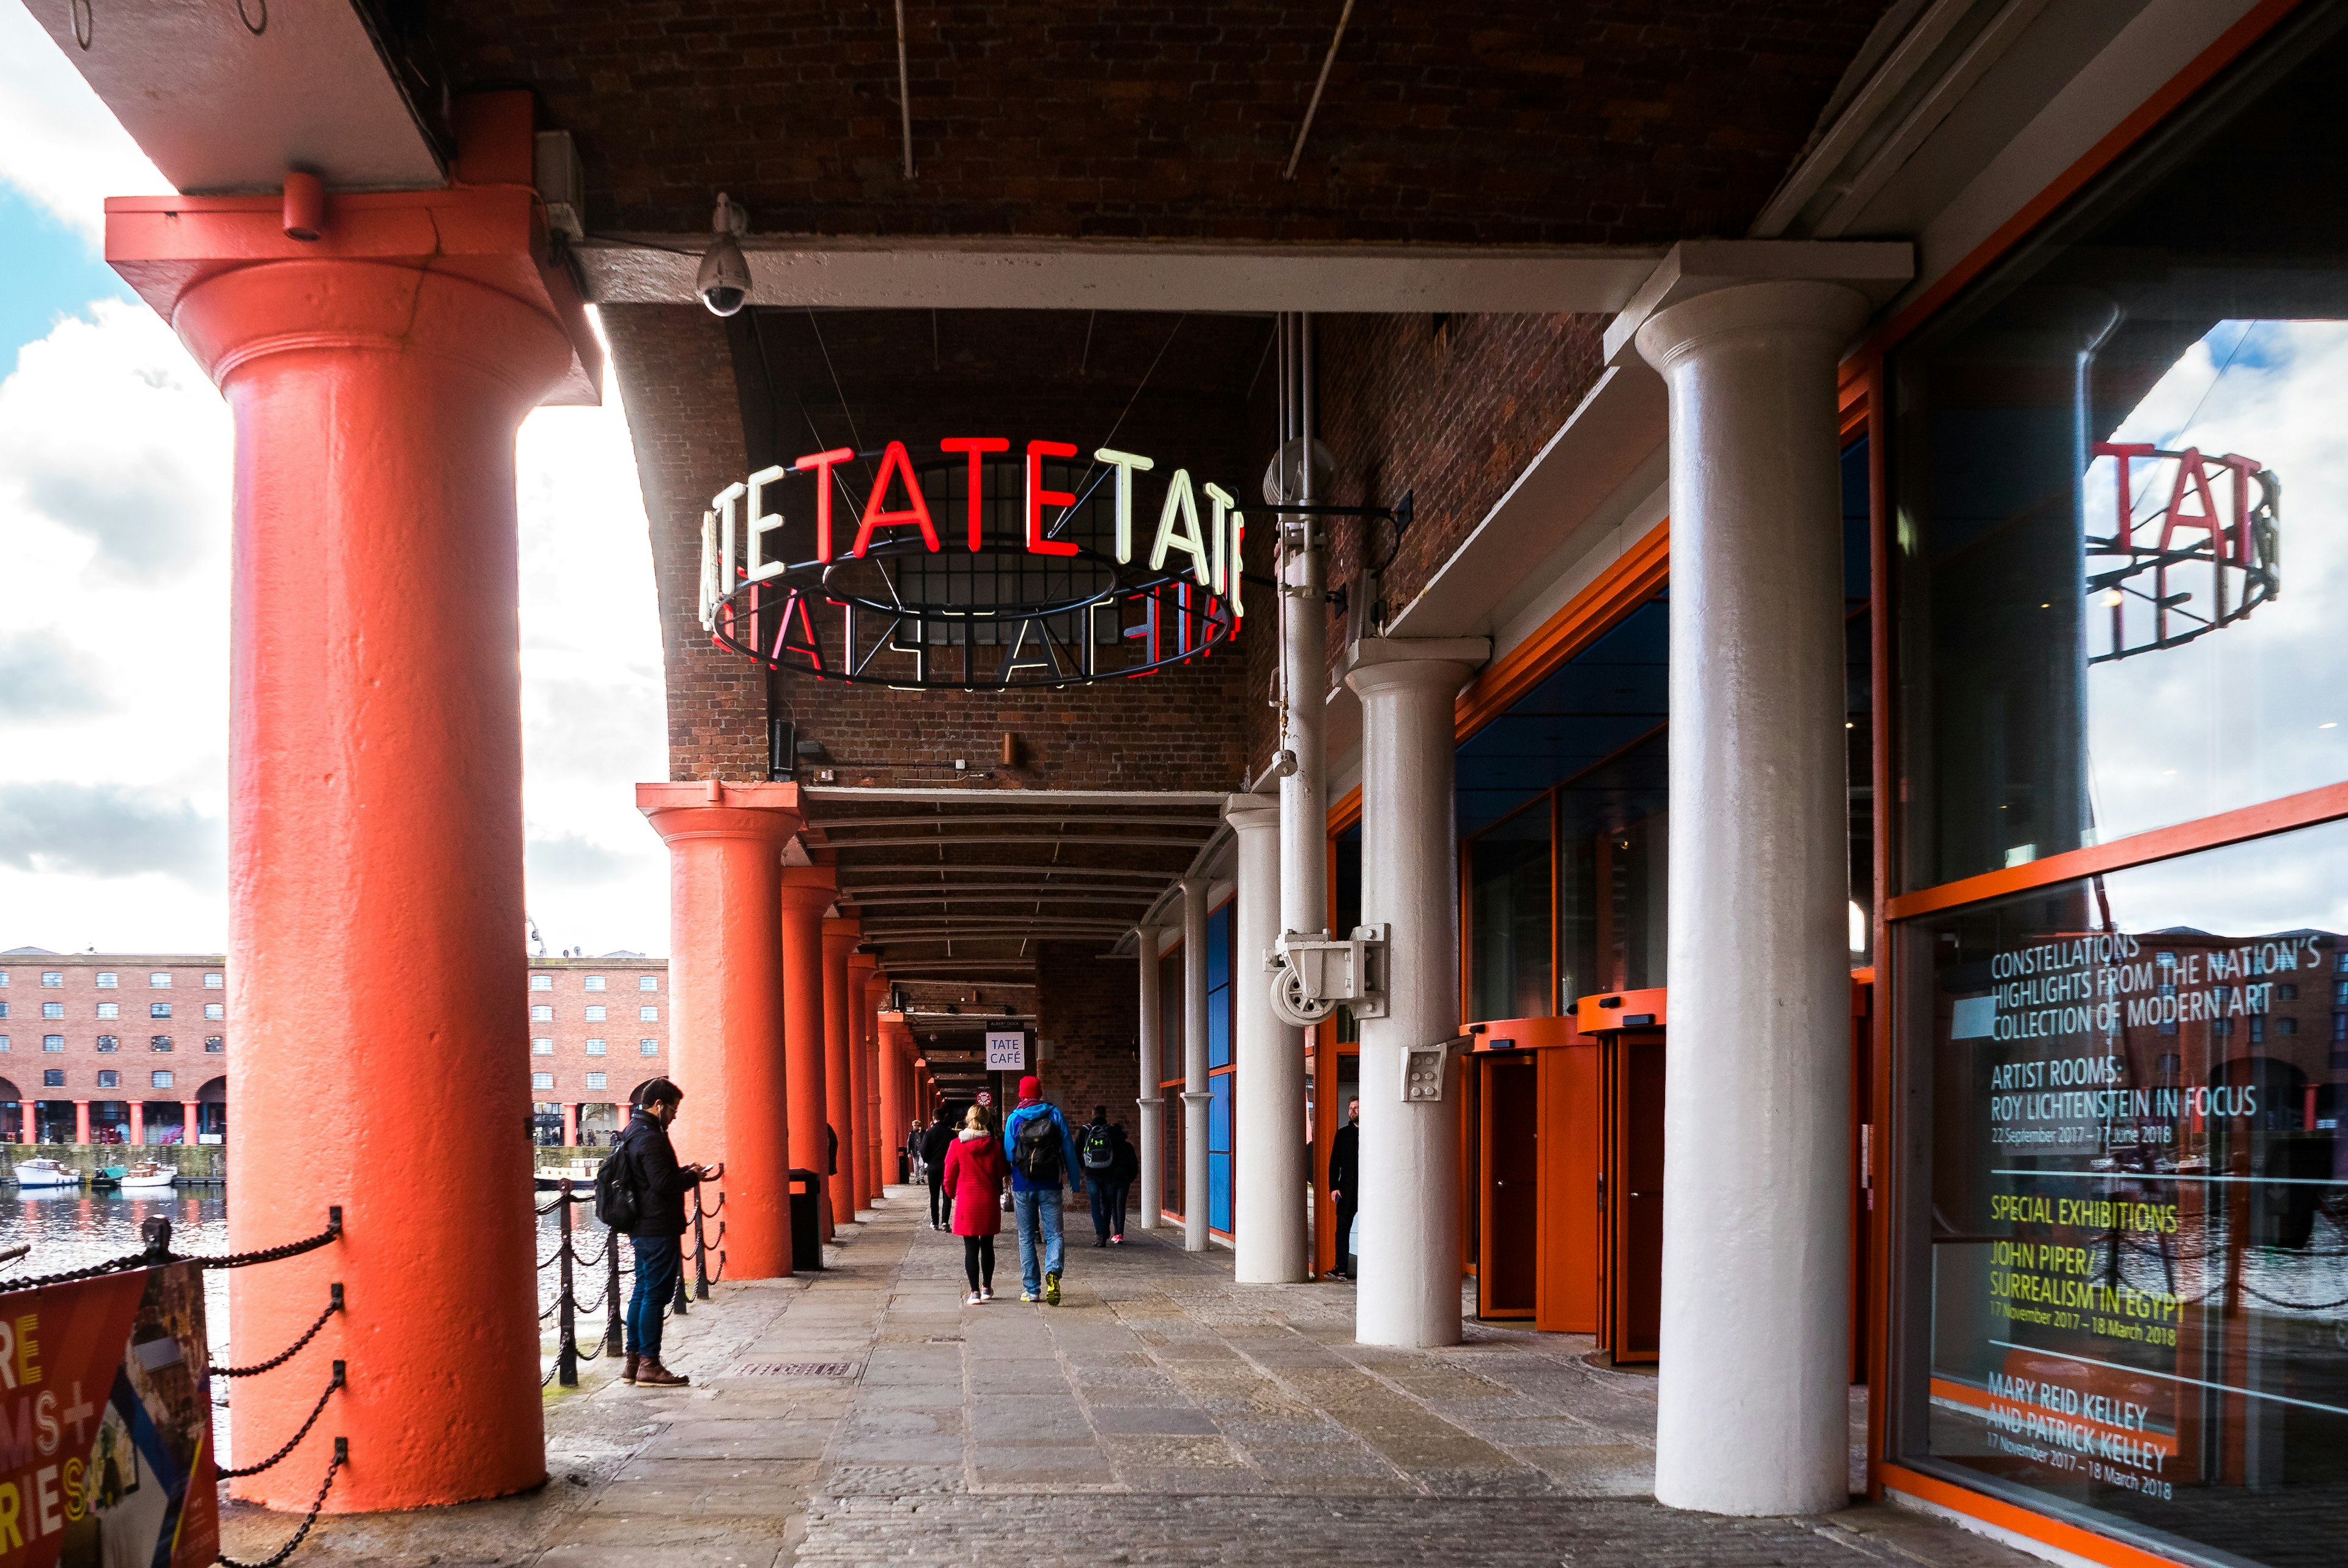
[565,1308]
[342,1457]
[296,1440]
[334,1305]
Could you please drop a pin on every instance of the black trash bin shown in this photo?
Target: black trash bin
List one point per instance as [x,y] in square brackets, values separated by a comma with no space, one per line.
[807,1222]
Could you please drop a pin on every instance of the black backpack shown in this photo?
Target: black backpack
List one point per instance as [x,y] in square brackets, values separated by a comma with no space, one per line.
[618,1202]
[1099,1149]
[1035,1152]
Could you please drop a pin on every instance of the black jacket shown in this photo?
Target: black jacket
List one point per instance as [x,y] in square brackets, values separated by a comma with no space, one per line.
[935,1144]
[1345,1161]
[661,1185]
[1127,1163]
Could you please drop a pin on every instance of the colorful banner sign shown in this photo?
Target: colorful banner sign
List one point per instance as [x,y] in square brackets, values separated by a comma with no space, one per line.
[106,1424]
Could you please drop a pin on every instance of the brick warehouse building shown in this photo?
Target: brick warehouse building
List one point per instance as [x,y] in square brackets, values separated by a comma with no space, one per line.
[1706,578]
[96,1044]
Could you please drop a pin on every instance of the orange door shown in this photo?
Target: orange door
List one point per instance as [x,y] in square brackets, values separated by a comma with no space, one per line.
[1632,1196]
[1509,1214]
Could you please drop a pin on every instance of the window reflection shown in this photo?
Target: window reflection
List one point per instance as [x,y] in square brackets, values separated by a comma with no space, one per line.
[2138,1263]
[2120,526]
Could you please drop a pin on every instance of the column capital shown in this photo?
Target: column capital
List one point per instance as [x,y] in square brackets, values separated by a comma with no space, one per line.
[808,890]
[842,932]
[1787,308]
[709,808]
[1380,664]
[1195,886]
[1876,268]
[1252,813]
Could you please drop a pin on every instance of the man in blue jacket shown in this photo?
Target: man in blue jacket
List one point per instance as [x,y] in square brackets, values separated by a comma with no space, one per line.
[1043,1158]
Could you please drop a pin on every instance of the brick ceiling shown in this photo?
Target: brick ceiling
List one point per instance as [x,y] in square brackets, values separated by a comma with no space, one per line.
[1552,121]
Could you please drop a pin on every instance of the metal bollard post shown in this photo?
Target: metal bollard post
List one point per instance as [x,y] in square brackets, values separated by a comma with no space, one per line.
[566,1350]
[700,1254]
[611,1293]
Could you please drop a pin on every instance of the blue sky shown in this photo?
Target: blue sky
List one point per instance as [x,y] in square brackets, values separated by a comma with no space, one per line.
[114,509]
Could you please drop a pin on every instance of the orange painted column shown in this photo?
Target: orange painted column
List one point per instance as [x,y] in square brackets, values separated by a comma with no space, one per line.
[138,1122]
[894,1039]
[81,1120]
[187,1123]
[841,935]
[570,1126]
[808,892]
[726,1003]
[376,376]
[877,991]
[855,1133]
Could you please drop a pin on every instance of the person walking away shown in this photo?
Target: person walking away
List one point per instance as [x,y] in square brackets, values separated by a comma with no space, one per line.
[1043,1158]
[972,1176]
[645,1161]
[1121,1175]
[1096,1154]
[936,1145]
[1345,1178]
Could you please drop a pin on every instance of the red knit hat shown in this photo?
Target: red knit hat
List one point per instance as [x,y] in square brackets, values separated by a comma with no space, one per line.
[1030,1088]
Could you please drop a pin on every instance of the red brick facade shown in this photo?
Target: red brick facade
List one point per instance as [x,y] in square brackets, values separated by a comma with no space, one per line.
[1085,1010]
[564,1061]
[156,1025]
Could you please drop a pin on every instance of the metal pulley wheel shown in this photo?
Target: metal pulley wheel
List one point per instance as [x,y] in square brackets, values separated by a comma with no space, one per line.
[1290,1002]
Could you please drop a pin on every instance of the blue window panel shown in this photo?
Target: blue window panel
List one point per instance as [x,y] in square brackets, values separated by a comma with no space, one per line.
[1218,948]
[1219,1192]
[1219,1028]
[1219,1115]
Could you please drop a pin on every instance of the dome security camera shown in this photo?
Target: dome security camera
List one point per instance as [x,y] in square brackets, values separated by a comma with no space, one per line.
[724,281]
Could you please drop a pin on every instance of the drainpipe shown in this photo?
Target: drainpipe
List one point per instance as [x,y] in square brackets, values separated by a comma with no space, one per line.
[1304,669]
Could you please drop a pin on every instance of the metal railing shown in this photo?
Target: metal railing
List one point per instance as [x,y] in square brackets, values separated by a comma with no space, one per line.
[566,1308]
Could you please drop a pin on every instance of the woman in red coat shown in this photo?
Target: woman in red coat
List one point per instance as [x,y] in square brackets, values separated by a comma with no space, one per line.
[975,1172]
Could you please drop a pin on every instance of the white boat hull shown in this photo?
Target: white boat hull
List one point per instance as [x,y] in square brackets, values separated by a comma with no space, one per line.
[27,1176]
[148,1183]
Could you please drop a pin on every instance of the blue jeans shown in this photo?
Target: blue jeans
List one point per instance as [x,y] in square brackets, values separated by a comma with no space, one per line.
[1039,1216]
[659,1260]
[1104,1210]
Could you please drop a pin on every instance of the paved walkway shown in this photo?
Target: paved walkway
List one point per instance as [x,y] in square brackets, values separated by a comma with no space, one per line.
[1160,1415]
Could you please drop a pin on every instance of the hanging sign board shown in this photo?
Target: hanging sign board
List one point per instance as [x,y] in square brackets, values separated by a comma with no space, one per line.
[1032,570]
[105,1423]
[1006,1051]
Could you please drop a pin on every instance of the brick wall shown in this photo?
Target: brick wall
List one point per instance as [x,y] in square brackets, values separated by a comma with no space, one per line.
[1086,1007]
[1520,120]
[1450,409]
[195,1055]
[623,1029]
[676,380]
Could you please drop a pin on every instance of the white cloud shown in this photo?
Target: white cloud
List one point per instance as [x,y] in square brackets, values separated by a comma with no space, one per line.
[58,144]
[115,456]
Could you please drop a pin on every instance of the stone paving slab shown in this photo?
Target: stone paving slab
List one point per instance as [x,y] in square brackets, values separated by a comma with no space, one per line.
[1161,1415]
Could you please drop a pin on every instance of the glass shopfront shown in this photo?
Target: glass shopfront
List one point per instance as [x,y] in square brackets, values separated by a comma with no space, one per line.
[2119,534]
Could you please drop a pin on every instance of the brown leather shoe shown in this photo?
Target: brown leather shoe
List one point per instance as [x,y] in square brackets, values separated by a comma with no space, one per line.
[628,1366]
[651,1374]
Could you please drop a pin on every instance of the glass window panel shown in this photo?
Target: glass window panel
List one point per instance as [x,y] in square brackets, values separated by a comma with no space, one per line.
[2139,1248]
[1511,907]
[2119,533]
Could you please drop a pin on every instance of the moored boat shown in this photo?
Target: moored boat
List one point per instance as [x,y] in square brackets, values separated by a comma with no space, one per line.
[580,1172]
[46,1173]
[147,1175]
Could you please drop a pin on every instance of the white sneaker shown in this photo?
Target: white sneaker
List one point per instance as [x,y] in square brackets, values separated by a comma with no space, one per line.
[986,1293]
[973,1299]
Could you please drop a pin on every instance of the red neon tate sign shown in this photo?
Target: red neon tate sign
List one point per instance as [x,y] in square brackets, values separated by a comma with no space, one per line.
[1038,603]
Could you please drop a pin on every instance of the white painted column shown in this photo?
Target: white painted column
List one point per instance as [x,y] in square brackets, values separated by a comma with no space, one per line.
[1268,1233]
[1152,1099]
[1410,1257]
[1194,1063]
[1757,1125]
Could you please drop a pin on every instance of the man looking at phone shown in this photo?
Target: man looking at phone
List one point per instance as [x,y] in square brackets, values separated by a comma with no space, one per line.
[660,1184]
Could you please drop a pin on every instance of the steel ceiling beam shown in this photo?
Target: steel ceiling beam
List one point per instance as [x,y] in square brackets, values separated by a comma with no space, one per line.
[1056,897]
[1004,869]
[1041,840]
[1024,819]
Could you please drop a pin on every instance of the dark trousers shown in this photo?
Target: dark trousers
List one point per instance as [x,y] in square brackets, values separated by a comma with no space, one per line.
[1346,1209]
[1117,1197]
[941,1211]
[659,1260]
[1103,1210]
[978,1260]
